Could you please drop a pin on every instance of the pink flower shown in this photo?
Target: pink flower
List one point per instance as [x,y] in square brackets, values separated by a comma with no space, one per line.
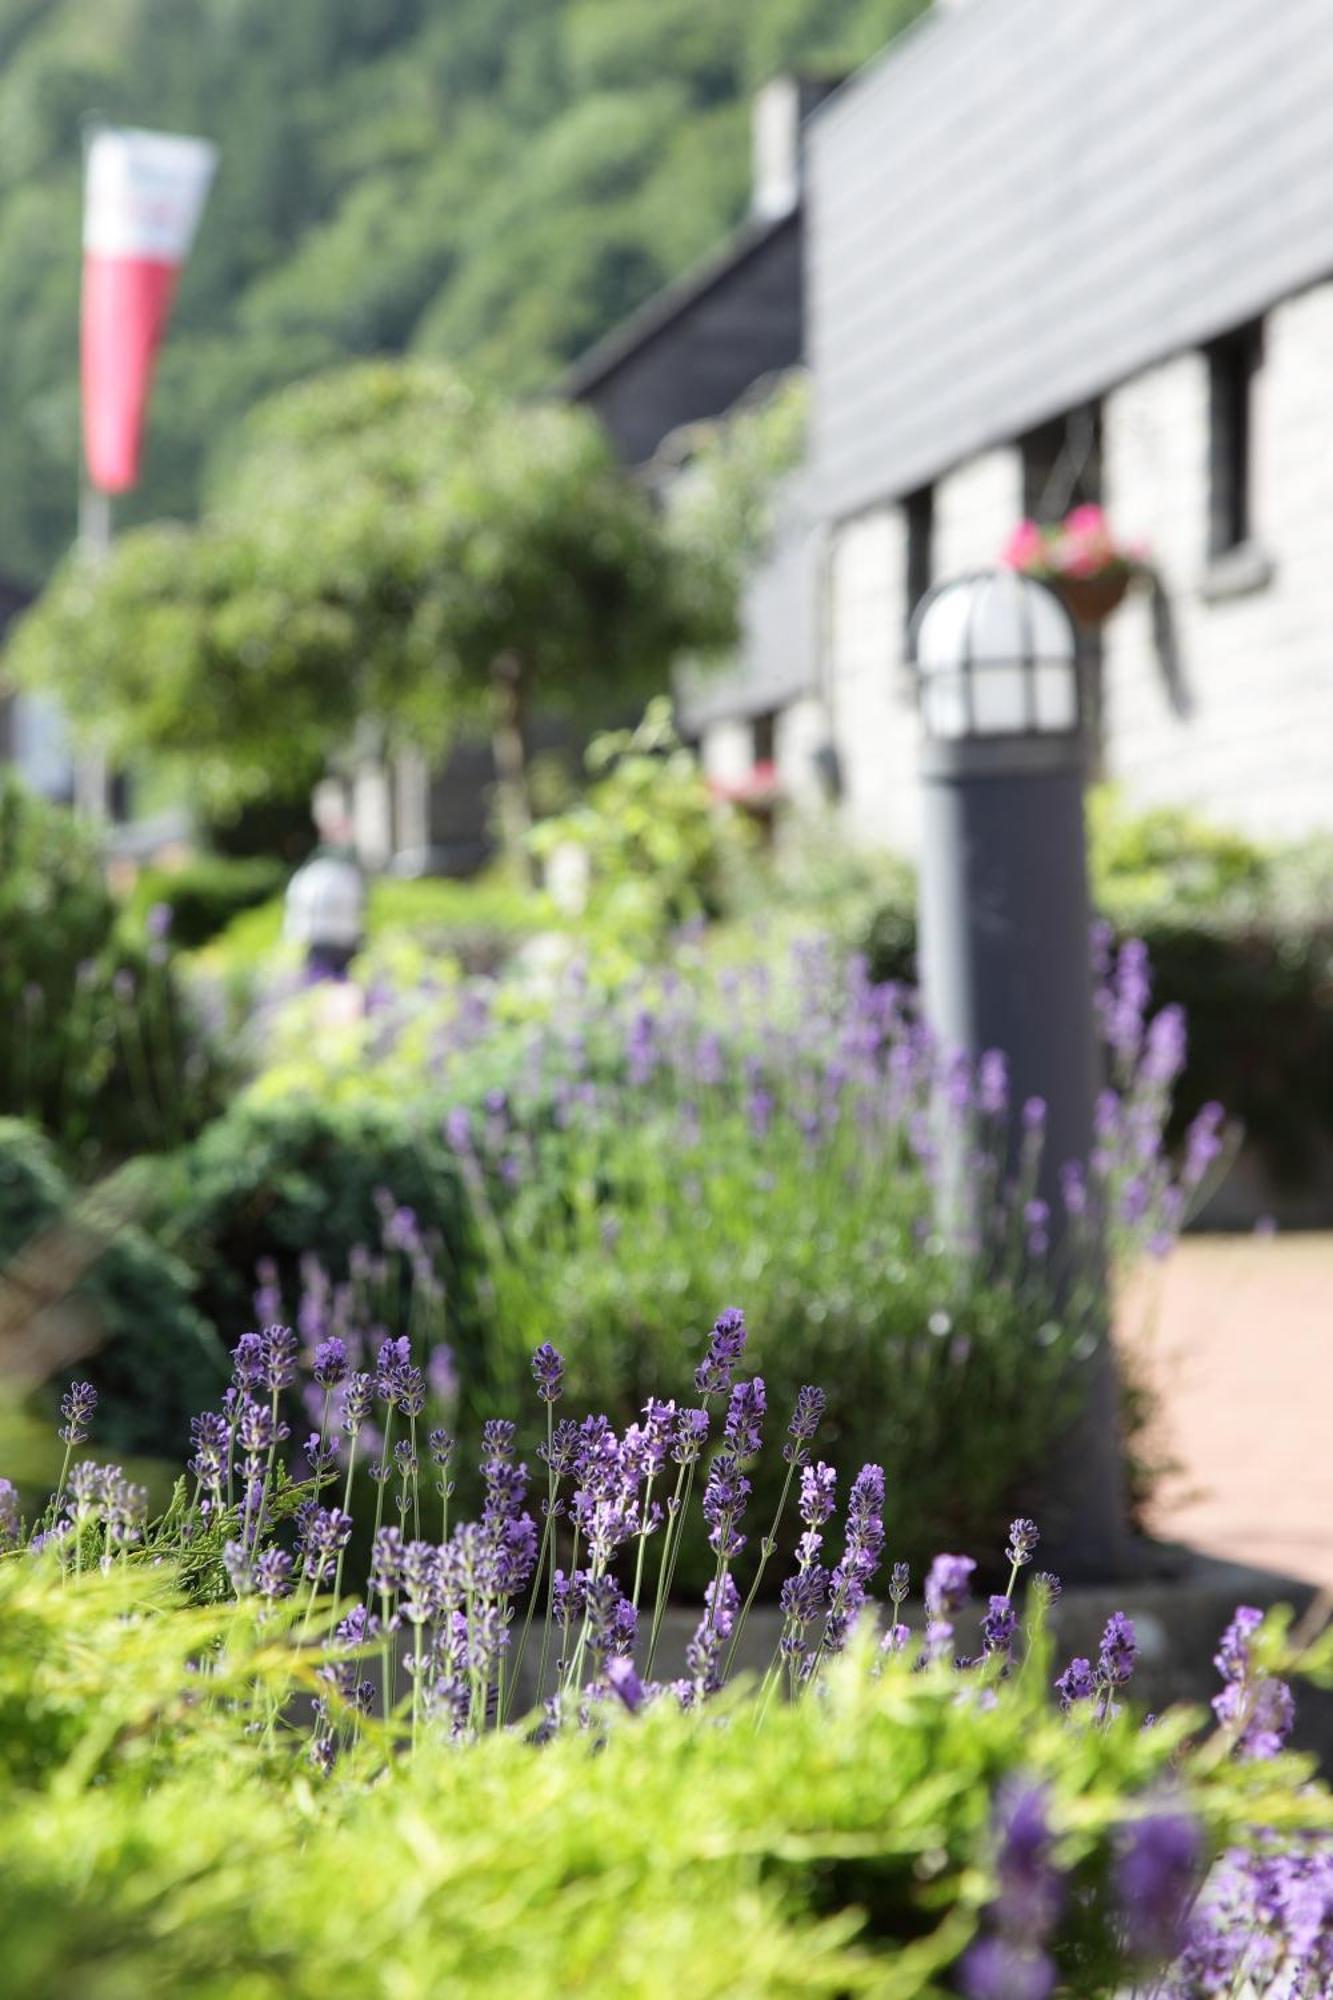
[1087,520]
[1026,548]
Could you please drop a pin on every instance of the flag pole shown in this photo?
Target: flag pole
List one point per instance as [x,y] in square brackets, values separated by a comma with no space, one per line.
[92,778]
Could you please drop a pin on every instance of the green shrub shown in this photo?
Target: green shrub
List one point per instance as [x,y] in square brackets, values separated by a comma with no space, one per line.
[99,1046]
[657,845]
[117,1298]
[205,894]
[273,1183]
[153,1842]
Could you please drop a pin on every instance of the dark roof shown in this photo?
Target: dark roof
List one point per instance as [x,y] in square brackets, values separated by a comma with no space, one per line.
[665,308]
[1022,203]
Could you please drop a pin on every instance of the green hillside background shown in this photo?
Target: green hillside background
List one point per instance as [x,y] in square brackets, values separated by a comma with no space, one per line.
[496,181]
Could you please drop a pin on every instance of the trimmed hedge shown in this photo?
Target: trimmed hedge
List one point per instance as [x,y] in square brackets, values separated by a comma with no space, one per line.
[206,894]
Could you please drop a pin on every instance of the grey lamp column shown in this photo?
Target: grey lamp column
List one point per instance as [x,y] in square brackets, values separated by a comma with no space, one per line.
[1004,943]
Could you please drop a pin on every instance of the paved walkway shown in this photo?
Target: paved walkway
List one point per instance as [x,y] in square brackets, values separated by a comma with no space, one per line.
[1237,1335]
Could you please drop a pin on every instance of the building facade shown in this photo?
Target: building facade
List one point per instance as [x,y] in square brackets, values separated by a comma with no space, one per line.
[1060,250]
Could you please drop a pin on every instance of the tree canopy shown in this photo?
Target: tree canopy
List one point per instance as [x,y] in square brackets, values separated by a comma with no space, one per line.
[495,181]
[381,542]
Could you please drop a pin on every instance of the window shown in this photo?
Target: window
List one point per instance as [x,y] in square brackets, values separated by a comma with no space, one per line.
[765,737]
[919,514]
[1233,364]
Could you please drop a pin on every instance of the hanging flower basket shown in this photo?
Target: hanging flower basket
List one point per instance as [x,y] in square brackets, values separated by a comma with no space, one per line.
[1081,561]
[1092,599]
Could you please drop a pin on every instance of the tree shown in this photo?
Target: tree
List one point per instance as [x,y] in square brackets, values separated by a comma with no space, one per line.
[382,542]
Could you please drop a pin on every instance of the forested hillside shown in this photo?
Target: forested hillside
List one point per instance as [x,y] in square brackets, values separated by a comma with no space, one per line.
[493,180]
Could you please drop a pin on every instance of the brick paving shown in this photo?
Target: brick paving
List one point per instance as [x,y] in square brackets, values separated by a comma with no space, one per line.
[1236,1334]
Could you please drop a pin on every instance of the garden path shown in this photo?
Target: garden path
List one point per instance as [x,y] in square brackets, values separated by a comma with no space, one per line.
[1236,1334]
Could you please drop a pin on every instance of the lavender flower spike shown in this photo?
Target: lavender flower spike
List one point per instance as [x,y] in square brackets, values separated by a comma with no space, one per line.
[726,1344]
[77,1406]
[548,1371]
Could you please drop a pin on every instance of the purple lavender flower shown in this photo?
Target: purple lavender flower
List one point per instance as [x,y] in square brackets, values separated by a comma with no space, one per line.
[805,1421]
[612,1619]
[247,1362]
[386,1562]
[1203,1143]
[358,1404]
[743,1430]
[998,1628]
[441,1448]
[862,1548]
[330,1363]
[563,1453]
[1029,1888]
[272,1573]
[1156,1874]
[992,1084]
[818,1494]
[996,1969]
[1074,1189]
[393,1367]
[725,1495]
[277,1359]
[802,1599]
[324,1532]
[726,1344]
[77,1407]
[421,1579]
[320,1455]
[1259,1711]
[947,1585]
[624,1682]
[1119,1650]
[1023,1538]
[256,1429]
[1076,1683]
[691,1435]
[548,1370]
[703,1655]
[1232,1658]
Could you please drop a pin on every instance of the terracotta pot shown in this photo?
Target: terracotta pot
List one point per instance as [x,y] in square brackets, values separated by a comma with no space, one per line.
[1092,599]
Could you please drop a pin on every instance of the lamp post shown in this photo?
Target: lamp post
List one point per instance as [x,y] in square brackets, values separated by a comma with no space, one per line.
[1004,943]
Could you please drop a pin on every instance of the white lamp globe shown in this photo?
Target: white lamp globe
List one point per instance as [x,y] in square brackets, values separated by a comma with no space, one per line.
[995,655]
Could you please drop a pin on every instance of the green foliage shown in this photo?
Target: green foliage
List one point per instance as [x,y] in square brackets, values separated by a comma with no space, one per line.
[656,844]
[1167,860]
[497,181]
[110,1297]
[382,541]
[281,1181]
[624,1239]
[726,502]
[1240,937]
[204,895]
[152,1844]
[99,1047]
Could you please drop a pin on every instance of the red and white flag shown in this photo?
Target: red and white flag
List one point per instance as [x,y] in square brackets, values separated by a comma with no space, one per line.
[144,194]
